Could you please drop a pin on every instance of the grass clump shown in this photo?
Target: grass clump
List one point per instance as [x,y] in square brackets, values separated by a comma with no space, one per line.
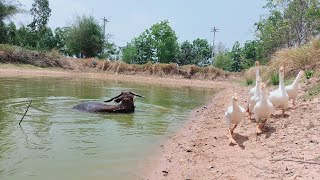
[312,92]
[308,73]
[274,79]
[249,81]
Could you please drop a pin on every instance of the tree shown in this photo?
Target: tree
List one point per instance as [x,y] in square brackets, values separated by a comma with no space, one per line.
[290,23]
[7,9]
[157,44]
[85,38]
[145,48]
[236,57]
[60,36]
[128,53]
[186,54]
[41,12]
[165,42]
[202,51]
[223,61]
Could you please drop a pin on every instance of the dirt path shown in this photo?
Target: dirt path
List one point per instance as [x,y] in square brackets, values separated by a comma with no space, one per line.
[289,149]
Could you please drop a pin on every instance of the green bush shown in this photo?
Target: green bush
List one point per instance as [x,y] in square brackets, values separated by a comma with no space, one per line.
[249,81]
[308,74]
[274,79]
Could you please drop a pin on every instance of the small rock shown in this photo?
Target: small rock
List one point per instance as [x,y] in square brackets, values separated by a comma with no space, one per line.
[189,150]
[215,138]
[165,173]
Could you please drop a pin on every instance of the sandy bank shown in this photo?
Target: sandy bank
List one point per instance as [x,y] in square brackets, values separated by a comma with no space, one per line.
[13,70]
[289,149]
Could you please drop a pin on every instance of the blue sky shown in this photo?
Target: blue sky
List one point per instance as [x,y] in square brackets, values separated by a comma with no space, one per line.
[189,19]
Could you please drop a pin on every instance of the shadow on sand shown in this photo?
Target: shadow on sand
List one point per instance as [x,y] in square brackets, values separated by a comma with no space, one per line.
[240,139]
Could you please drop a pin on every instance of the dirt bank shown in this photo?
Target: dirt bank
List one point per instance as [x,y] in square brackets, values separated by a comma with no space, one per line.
[289,149]
[14,70]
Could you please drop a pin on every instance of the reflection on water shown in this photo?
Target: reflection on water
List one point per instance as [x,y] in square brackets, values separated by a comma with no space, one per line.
[56,141]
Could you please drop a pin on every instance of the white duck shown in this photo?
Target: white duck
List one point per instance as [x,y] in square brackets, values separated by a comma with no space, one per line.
[279,98]
[293,89]
[233,116]
[253,90]
[263,109]
[255,98]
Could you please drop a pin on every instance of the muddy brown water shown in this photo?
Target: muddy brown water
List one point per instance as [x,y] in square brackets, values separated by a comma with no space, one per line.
[55,141]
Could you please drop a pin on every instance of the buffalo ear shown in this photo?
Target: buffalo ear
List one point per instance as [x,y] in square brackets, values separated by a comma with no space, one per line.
[132,93]
[114,98]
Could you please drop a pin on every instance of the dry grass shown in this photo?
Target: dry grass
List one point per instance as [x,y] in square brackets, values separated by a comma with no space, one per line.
[295,59]
[18,55]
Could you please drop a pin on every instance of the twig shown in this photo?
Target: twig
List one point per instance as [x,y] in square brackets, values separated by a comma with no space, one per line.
[297,173]
[284,122]
[25,112]
[293,160]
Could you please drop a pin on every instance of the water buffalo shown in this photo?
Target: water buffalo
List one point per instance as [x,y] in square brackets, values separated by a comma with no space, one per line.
[125,99]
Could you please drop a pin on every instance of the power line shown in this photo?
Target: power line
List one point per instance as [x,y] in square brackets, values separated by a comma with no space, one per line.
[214,30]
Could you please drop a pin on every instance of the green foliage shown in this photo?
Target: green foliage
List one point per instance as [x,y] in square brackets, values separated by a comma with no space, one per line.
[290,23]
[165,42]
[60,36]
[198,53]
[85,38]
[41,12]
[128,53]
[274,79]
[223,61]
[7,9]
[156,44]
[202,51]
[249,81]
[186,54]
[38,27]
[236,57]
[308,74]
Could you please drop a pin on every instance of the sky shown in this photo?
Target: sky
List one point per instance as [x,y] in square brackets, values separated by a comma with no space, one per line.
[190,19]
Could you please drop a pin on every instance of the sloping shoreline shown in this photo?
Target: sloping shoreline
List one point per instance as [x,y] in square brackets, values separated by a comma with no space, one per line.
[200,149]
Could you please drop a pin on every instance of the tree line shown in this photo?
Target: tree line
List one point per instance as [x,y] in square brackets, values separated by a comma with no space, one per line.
[288,23]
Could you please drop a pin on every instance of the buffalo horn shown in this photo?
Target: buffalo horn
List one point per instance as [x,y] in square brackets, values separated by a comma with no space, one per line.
[113,98]
[135,94]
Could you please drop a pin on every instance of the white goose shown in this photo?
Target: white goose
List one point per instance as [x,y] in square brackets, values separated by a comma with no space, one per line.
[253,90]
[263,109]
[293,89]
[279,98]
[233,116]
[255,98]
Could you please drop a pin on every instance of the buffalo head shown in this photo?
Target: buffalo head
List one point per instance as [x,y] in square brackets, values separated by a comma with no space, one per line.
[124,97]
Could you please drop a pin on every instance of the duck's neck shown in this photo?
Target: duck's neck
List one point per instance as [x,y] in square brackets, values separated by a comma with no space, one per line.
[264,97]
[257,88]
[257,72]
[235,105]
[296,81]
[281,82]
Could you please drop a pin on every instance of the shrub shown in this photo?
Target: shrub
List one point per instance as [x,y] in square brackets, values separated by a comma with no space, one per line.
[249,81]
[308,74]
[274,79]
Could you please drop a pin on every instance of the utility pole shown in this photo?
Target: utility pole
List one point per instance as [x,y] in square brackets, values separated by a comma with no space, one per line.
[105,20]
[214,30]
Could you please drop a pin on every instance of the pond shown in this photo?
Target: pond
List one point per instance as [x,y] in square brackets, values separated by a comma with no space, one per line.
[55,141]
